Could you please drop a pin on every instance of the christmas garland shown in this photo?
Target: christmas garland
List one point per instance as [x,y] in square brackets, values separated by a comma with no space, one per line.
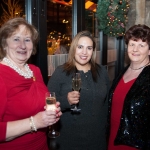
[112,16]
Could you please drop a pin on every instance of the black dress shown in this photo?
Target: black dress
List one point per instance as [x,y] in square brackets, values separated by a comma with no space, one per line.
[86,130]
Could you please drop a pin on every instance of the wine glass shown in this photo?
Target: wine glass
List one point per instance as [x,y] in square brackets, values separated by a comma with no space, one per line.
[50,105]
[76,85]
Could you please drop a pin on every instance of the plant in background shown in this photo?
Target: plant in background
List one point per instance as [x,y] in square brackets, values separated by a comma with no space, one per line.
[11,9]
[112,16]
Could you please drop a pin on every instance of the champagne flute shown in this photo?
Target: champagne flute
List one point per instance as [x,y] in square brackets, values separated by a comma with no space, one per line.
[76,85]
[50,105]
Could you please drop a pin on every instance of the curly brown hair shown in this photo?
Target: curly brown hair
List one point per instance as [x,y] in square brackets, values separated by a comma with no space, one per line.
[137,32]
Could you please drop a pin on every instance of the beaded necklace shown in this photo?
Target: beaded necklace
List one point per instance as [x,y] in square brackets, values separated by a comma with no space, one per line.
[29,73]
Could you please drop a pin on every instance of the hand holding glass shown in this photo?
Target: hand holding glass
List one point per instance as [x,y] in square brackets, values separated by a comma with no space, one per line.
[51,105]
[76,85]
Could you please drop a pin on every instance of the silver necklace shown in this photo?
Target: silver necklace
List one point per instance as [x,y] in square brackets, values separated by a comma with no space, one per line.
[29,73]
[140,67]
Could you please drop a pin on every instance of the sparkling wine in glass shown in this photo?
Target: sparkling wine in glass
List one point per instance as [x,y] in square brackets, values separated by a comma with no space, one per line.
[50,105]
[76,85]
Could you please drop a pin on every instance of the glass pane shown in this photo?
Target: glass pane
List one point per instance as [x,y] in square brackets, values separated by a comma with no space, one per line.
[59,27]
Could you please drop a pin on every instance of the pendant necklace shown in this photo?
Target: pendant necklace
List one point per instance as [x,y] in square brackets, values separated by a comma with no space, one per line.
[140,67]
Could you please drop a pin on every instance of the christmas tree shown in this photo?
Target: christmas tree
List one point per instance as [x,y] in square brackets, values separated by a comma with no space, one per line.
[112,16]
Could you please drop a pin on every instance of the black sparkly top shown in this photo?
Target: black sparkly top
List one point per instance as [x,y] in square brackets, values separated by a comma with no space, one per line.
[134,129]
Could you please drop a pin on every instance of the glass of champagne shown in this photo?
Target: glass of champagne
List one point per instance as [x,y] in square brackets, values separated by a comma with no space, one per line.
[76,85]
[50,105]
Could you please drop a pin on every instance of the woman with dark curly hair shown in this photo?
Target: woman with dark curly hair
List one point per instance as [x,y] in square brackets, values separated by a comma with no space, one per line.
[129,98]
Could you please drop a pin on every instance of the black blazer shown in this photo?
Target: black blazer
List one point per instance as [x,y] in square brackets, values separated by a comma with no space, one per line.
[134,129]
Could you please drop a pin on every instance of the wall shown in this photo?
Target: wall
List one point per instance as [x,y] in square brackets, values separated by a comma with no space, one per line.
[135,13]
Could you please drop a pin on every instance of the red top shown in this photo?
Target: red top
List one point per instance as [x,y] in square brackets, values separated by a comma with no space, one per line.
[116,110]
[21,98]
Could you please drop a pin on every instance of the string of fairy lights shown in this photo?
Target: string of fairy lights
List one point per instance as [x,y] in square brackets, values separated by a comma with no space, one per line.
[112,16]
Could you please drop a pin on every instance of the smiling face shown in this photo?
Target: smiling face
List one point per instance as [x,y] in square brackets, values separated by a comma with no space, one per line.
[138,51]
[19,46]
[83,53]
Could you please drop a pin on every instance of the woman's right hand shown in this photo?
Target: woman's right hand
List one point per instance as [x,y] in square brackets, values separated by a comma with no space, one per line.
[73,97]
[47,117]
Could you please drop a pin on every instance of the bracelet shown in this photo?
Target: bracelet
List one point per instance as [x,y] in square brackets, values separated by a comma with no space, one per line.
[32,124]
